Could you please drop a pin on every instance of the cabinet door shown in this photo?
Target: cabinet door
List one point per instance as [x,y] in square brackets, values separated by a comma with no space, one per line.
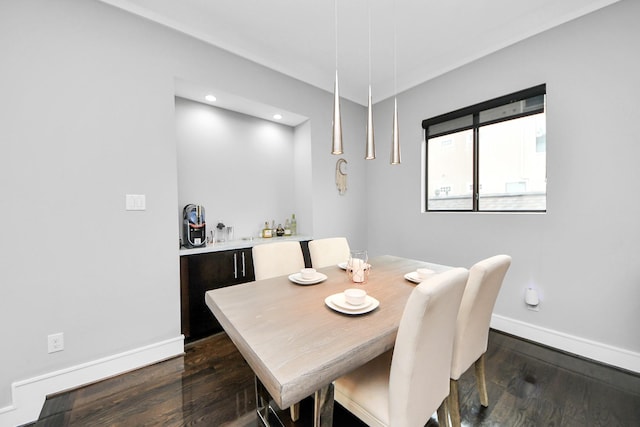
[245,266]
[207,271]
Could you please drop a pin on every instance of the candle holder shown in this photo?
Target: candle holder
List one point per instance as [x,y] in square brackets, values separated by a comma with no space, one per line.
[357,266]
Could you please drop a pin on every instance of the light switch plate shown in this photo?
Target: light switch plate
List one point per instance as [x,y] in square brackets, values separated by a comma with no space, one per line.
[135,202]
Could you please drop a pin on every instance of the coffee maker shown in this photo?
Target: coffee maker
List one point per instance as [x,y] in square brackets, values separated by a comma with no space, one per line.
[194,227]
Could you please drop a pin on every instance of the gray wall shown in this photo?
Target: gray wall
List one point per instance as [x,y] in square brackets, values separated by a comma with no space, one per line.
[583,254]
[87,117]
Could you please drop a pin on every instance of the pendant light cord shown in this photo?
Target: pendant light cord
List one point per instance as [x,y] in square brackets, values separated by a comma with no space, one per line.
[369,42]
[395,50]
[335,17]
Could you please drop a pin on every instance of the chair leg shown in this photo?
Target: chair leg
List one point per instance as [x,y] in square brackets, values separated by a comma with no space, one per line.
[454,403]
[443,413]
[481,381]
[294,410]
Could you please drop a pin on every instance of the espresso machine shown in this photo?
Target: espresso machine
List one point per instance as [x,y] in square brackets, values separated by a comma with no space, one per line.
[194,227]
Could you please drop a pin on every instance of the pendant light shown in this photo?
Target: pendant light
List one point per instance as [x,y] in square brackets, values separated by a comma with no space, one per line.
[337,121]
[336,146]
[371,146]
[395,137]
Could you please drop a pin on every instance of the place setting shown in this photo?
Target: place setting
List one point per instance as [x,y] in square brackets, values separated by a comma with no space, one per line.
[307,276]
[352,301]
[419,275]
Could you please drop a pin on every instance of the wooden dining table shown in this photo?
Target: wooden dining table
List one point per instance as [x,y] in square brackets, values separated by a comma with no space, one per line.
[296,345]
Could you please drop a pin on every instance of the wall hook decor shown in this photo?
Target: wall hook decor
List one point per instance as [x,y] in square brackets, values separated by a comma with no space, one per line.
[341,177]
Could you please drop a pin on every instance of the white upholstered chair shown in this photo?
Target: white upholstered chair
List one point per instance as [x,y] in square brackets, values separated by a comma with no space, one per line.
[329,251]
[277,259]
[405,386]
[472,327]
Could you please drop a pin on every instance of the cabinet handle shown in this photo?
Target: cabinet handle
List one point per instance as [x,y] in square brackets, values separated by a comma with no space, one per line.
[244,273]
[235,265]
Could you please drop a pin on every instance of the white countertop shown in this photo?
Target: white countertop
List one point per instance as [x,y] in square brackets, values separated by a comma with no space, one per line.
[240,244]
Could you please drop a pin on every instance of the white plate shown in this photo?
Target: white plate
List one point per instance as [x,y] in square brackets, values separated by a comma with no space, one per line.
[343,265]
[413,277]
[297,278]
[355,310]
[341,301]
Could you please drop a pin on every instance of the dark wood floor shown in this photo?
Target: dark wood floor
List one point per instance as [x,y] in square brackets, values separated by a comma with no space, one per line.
[211,385]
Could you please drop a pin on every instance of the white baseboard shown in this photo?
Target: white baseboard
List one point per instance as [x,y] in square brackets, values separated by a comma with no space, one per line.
[593,350]
[29,395]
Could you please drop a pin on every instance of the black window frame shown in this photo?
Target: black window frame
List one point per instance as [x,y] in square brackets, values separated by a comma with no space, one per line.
[474,111]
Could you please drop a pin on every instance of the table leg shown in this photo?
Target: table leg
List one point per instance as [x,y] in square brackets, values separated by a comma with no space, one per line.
[265,411]
[323,407]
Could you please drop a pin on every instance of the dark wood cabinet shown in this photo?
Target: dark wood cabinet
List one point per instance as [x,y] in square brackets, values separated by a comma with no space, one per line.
[200,273]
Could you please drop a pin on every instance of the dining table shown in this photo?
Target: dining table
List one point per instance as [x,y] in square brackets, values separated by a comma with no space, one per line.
[297,341]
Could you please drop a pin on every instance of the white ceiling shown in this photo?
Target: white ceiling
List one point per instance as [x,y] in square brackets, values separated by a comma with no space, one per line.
[297,37]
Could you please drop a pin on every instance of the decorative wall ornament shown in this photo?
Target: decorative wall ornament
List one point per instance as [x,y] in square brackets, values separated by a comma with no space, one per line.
[341,177]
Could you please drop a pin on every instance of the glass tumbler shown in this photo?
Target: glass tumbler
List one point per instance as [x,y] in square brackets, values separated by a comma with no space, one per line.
[357,266]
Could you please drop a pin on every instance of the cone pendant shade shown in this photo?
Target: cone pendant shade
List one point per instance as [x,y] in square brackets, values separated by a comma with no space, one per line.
[395,137]
[371,145]
[336,146]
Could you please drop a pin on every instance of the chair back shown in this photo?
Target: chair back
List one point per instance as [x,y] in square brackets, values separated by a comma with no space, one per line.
[419,378]
[277,259]
[329,251]
[474,317]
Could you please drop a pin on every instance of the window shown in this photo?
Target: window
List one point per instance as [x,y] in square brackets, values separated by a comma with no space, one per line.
[490,157]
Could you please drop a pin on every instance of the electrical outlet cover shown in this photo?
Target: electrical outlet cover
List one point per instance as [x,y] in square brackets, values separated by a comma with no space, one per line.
[55,342]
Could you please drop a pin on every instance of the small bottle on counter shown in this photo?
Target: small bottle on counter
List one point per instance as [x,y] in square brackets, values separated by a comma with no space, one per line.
[287,227]
[279,231]
[266,231]
[294,225]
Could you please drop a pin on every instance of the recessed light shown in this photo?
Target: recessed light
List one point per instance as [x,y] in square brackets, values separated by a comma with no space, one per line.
[210,98]
[277,116]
